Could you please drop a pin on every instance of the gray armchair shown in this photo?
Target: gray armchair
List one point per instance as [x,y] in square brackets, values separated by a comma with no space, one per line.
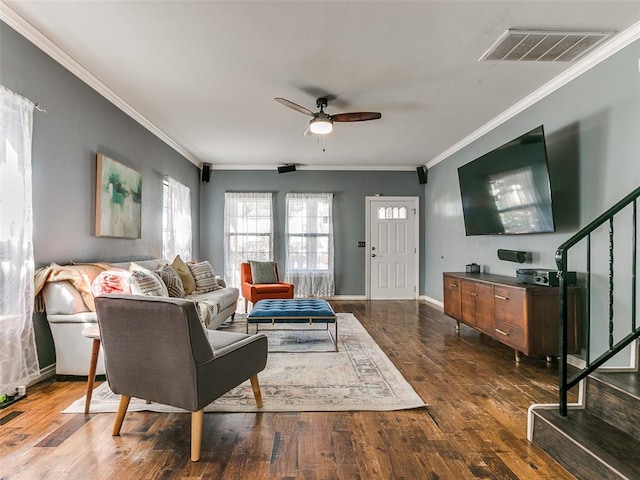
[156,349]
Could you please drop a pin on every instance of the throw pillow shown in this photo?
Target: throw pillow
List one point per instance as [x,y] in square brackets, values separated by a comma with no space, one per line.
[204,277]
[172,280]
[263,272]
[133,266]
[111,281]
[147,283]
[188,282]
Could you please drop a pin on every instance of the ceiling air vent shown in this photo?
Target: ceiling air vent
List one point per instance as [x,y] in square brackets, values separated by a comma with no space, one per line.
[543,45]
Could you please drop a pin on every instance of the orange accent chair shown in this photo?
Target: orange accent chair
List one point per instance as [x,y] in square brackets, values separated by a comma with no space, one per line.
[252,292]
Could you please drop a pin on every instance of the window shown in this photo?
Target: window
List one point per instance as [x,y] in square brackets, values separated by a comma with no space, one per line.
[309,244]
[392,213]
[248,231]
[176,220]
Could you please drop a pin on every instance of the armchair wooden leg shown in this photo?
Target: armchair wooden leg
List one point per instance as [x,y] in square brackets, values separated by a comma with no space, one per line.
[255,386]
[122,410]
[196,434]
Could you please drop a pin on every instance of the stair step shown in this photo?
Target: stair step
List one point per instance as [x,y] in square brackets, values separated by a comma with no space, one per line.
[587,446]
[615,398]
[629,382]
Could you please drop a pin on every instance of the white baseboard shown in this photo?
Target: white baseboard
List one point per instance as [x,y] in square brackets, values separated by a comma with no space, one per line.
[579,405]
[347,297]
[422,298]
[364,298]
[435,302]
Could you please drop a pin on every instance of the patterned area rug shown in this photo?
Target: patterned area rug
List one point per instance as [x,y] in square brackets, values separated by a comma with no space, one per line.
[309,377]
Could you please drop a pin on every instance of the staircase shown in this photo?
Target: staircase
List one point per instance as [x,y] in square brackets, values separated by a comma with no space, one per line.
[599,436]
[601,440]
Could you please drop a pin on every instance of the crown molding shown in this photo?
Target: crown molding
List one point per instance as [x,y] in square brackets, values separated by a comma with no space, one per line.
[614,45]
[330,168]
[35,36]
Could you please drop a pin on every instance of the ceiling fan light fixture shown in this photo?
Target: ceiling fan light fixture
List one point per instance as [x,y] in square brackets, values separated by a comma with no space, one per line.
[321,126]
[321,123]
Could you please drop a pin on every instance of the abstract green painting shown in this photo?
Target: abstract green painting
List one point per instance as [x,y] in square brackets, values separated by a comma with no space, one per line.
[118,199]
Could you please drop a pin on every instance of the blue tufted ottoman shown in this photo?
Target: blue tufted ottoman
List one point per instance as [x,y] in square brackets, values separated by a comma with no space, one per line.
[294,310]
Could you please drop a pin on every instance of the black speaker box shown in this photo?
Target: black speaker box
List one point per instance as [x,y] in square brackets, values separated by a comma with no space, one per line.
[206,172]
[286,168]
[422,174]
[512,255]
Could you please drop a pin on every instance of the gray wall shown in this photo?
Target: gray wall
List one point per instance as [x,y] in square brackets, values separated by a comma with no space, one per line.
[79,124]
[592,128]
[349,188]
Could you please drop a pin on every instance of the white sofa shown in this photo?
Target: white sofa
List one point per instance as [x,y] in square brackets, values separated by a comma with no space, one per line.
[68,314]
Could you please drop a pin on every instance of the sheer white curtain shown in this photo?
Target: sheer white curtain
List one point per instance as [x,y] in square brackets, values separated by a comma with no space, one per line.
[309,244]
[248,231]
[176,220]
[18,354]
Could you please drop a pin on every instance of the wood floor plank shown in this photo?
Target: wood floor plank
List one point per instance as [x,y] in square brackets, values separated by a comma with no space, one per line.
[474,426]
[325,458]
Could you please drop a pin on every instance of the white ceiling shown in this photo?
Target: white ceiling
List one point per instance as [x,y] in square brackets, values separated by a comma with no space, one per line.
[203,75]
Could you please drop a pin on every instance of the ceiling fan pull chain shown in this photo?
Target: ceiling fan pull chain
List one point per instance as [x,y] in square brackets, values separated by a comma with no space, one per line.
[322,139]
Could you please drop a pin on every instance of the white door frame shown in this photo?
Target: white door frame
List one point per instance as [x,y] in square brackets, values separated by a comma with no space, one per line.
[367,239]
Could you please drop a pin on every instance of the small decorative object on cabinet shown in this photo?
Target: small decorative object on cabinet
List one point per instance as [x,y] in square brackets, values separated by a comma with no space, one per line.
[524,317]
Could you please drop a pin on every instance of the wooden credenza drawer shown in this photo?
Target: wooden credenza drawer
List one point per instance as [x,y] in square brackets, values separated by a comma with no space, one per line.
[510,306]
[510,335]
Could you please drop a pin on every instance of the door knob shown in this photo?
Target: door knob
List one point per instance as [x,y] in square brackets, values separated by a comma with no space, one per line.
[373,255]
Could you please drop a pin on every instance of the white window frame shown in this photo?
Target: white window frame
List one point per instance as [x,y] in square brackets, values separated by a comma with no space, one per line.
[176,220]
[310,280]
[241,219]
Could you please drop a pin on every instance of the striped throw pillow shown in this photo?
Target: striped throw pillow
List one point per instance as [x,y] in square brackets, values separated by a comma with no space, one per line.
[172,280]
[147,283]
[204,277]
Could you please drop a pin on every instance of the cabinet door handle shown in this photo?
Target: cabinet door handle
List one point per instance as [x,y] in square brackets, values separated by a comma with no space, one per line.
[501,297]
[501,332]
[473,294]
[453,285]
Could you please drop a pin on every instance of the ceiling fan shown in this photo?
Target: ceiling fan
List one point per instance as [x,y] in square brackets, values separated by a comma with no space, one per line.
[322,122]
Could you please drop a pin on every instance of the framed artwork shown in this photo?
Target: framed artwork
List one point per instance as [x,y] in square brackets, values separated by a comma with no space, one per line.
[118,199]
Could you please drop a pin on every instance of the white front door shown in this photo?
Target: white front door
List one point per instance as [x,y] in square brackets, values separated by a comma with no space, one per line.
[392,247]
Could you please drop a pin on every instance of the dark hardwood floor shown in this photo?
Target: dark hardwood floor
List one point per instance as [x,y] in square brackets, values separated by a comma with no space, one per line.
[474,427]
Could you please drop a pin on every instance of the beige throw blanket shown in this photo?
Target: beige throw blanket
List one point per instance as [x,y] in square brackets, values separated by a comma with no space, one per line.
[81,276]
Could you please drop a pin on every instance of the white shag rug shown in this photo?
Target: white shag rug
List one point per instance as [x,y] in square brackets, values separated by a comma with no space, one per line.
[308,376]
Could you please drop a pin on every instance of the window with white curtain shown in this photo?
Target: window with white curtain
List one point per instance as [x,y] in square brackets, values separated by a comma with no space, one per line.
[248,231]
[18,353]
[309,244]
[176,220]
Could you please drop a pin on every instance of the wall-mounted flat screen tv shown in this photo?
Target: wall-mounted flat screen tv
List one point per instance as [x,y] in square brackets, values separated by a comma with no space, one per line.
[507,190]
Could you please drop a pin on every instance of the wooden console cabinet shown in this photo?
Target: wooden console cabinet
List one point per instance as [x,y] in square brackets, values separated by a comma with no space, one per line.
[524,317]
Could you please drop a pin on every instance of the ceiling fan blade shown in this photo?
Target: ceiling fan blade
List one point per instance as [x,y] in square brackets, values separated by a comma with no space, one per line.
[356,116]
[307,132]
[295,106]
